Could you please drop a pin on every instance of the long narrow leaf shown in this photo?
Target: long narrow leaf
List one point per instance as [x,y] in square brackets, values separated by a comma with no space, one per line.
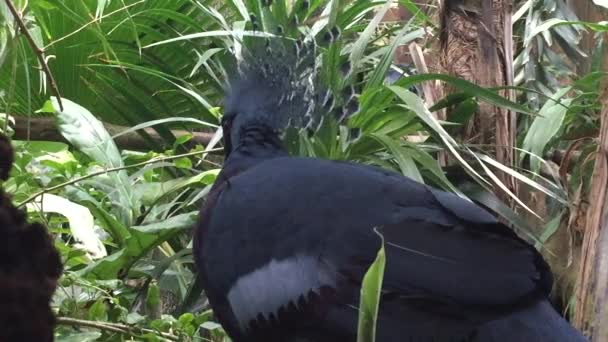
[371,290]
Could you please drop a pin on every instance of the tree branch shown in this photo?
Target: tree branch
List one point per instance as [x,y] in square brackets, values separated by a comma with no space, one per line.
[37,50]
[45,129]
[114,327]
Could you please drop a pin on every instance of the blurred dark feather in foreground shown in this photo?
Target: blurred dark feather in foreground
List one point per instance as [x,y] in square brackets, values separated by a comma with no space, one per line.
[29,269]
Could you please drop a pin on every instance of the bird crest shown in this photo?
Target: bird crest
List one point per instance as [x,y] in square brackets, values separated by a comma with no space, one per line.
[291,78]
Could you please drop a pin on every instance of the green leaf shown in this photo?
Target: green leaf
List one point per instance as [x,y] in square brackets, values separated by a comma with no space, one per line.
[72,336]
[379,72]
[371,290]
[430,164]
[365,36]
[553,22]
[142,239]
[450,100]
[153,301]
[218,33]
[417,12]
[89,135]
[545,127]
[403,159]
[550,228]
[47,107]
[98,311]
[183,163]
[106,268]
[469,88]
[487,198]
[520,177]
[181,221]
[109,223]
[150,193]
[416,104]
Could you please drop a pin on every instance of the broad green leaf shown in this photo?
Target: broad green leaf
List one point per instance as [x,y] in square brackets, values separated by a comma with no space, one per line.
[109,223]
[107,267]
[150,193]
[143,238]
[86,133]
[98,311]
[450,100]
[545,127]
[89,135]
[431,164]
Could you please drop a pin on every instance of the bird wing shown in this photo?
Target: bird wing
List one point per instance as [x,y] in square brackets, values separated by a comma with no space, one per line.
[304,231]
[453,250]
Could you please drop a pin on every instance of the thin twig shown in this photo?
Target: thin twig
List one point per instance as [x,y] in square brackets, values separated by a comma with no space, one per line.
[114,327]
[114,169]
[37,50]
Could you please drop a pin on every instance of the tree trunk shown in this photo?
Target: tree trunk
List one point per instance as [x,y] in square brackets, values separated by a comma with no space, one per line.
[477,45]
[587,11]
[592,290]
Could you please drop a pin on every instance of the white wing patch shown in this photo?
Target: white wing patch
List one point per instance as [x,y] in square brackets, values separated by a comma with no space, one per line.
[275,284]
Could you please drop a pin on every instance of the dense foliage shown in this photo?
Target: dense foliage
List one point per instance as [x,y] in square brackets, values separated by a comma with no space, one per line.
[121,216]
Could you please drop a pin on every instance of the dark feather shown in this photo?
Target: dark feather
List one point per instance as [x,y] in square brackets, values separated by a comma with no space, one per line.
[447,273]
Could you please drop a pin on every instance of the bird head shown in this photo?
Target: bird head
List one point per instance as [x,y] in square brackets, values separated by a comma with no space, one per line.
[280,82]
[272,87]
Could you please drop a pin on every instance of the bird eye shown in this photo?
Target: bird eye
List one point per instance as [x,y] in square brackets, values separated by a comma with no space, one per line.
[226,123]
[226,127]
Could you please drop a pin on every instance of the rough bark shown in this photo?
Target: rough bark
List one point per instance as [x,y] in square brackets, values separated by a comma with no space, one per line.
[476,44]
[592,290]
[591,314]
[588,11]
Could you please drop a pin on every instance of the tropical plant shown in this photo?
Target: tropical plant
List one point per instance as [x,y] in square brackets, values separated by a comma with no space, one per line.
[158,67]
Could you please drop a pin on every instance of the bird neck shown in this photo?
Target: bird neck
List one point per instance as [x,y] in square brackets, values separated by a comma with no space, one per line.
[258,141]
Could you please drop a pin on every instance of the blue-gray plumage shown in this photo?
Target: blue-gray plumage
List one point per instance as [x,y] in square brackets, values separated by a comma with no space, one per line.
[283,242]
